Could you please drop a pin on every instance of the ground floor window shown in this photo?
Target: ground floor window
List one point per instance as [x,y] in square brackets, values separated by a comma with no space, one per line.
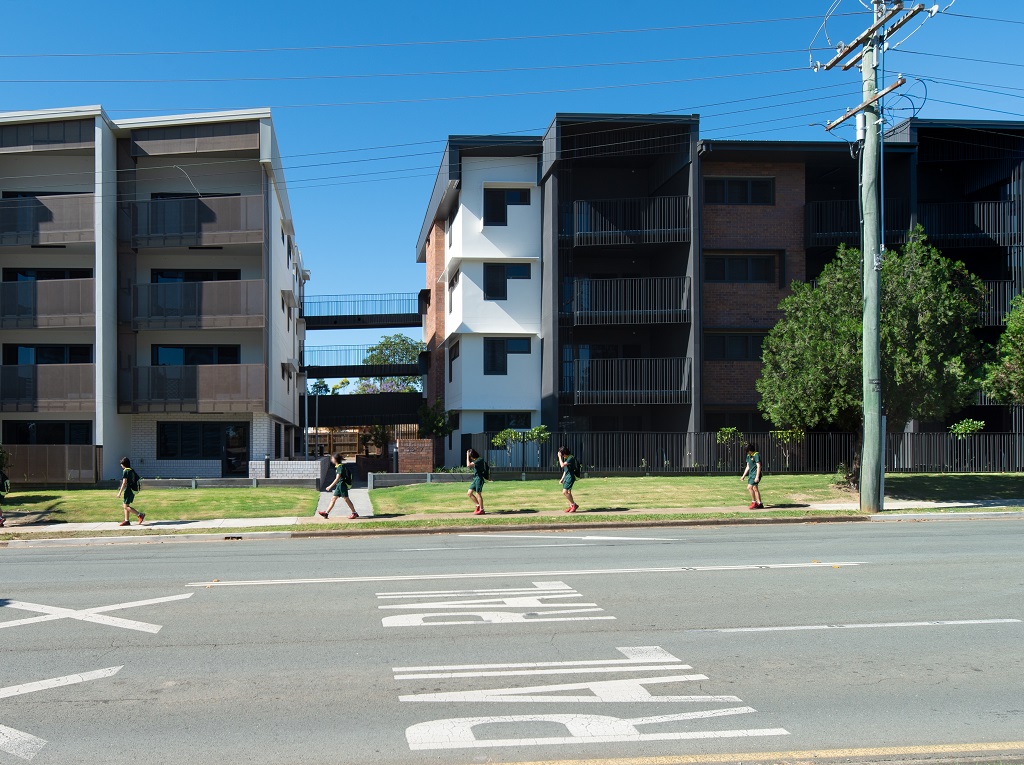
[497,421]
[47,432]
[746,420]
[226,441]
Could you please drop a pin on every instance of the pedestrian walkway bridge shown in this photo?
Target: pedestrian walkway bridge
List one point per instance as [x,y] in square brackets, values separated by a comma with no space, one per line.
[353,361]
[383,311]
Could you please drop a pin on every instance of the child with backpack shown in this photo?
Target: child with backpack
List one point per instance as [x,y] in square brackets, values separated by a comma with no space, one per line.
[341,484]
[570,474]
[5,488]
[753,475]
[130,484]
[481,473]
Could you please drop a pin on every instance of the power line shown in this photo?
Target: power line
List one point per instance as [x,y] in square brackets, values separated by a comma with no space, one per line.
[983,18]
[414,43]
[960,58]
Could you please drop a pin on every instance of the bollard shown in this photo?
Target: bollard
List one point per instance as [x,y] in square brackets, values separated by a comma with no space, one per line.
[266,466]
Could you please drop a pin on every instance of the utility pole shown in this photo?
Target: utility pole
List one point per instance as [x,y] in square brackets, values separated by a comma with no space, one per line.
[870,43]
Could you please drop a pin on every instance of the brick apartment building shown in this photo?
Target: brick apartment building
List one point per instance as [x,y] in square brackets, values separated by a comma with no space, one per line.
[618,273]
[149,295]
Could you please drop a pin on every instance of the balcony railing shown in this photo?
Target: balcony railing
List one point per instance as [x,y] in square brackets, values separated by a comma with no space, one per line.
[52,463]
[998,296]
[396,309]
[973,224]
[651,300]
[206,388]
[632,381]
[48,388]
[640,220]
[50,303]
[197,222]
[830,224]
[47,219]
[199,305]
[354,361]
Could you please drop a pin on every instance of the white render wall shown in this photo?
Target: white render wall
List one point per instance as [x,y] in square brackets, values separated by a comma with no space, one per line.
[519,390]
[521,238]
[519,313]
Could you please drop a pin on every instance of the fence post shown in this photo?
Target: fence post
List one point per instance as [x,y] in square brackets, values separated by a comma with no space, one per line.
[369,481]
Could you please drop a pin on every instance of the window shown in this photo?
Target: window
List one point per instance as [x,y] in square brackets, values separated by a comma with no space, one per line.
[194,355]
[453,353]
[453,282]
[277,440]
[747,420]
[496,276]
[497,349]
[497,421]
[14,354]
[47,432]
[192,440]
[739,268]
[178,276]
[733,346]
[497,201]
[45,274]
[739,191]
[453,419]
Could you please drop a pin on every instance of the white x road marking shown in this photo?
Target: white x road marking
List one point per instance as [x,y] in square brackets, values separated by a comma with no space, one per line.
[94,615]
[25,745]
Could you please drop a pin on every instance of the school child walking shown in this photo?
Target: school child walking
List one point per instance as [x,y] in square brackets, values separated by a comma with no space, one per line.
[752,474]
[341,483]
[481,472]
[570,472]
[129,485]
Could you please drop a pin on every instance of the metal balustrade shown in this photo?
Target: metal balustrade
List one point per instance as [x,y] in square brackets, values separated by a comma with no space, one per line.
[194,222]
[972,224]
[52,463]
[389,310]
[632,381]
[647,300]
[199,305]
[838,222]
[636,220]
[47,219]
[48,388]
[998,296]
[205,388]
[48,303]
[352,361]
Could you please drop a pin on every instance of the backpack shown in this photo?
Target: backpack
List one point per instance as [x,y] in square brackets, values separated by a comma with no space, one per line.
[134,482]
[5,483]
[575,470]
[485,470]
[346,475]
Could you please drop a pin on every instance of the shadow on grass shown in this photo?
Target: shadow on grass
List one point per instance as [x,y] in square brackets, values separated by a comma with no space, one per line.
[605,510]
[785,506]
[955,487]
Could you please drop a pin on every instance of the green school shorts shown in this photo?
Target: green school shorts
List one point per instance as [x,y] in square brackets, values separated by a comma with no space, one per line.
[568,480]
[129,496]
[477,484]
[340,490]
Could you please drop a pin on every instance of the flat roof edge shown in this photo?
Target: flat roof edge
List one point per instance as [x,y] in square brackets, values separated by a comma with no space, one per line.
[233,115]
[60,113]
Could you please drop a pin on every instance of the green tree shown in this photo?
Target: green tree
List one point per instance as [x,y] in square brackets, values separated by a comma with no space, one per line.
[1004,377]
[508,438]
[435,421]
[812,358]
[318,387]
[339,386]
[392,349]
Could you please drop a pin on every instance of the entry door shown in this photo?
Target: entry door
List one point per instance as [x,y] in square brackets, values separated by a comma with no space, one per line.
[236,451]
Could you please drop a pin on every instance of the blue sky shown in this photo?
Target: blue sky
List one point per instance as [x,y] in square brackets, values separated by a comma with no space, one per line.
[358,209]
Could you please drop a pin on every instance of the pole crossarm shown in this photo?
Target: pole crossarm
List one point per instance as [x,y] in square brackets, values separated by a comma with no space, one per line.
[871,101]
[864,36]
[900,22]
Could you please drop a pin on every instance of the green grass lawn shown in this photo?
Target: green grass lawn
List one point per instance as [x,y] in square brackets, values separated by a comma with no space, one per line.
[610,494]
[86,505]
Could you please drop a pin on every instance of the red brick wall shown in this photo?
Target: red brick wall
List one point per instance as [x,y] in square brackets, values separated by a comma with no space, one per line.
[416,455]
[776,229]
[434,324]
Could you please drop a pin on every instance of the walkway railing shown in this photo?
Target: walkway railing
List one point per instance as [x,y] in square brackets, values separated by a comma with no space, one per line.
[650,300]
[632,381]
[972,224]
[396,309]
[637,220]
[837,222]
[353,361]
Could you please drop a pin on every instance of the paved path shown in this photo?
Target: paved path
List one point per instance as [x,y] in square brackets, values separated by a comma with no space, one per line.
[360,498]
[698,645]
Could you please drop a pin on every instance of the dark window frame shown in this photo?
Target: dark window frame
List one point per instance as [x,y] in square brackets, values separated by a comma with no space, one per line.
[515,420]
[20,432]
[208,437]
[497,276]
[717,346]
[498,349]
[497,200]
[757,190]
[453,353]
[218,350]
[725,268]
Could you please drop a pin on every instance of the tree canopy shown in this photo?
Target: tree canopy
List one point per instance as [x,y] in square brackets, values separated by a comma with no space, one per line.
[392,349]
[1005,376]
[930,357]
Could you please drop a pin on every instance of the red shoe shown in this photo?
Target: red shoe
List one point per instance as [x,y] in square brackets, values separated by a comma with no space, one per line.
[322,514]
[479,511]
[572,508]
[353,515]
[125,523]
[752,506]
[142,517]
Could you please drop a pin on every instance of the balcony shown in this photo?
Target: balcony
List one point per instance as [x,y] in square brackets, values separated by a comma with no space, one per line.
[199,305]
[384,311]
[632,381]
[50,303]
[973,224]
[197,389]
[998,296]
[47,219]
[48,388]
[830,224]
[197,222]
[642,220]
[652,300]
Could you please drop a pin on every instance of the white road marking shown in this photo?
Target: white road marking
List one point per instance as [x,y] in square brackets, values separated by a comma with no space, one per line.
[635,655]
[536,601]
[491,547]
[543,586]
[862,626]
[493,617]
[559,671]
[508,574]
[94,615]
[25,745]
[621,691]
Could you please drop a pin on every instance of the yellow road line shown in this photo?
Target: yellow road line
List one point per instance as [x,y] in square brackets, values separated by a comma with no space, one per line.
[812,754]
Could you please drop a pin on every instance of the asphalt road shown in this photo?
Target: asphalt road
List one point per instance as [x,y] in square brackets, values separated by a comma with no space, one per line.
[601,646]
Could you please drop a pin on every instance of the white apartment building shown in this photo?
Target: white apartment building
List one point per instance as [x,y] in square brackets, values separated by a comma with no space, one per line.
[149,295]
[492,272]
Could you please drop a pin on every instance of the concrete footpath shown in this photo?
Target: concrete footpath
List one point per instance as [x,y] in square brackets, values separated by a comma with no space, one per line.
[895,510]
